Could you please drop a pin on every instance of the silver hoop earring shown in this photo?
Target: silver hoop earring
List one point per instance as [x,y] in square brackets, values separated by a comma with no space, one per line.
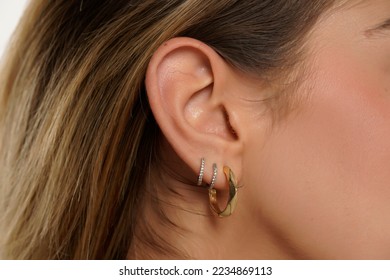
[201,172]
[214,178]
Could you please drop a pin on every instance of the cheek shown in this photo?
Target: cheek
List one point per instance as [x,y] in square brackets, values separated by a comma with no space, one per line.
[323,177]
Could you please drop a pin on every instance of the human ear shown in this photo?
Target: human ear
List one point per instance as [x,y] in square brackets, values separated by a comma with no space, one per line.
[189,94]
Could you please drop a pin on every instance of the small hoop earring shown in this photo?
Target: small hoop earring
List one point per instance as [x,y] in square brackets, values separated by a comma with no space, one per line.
[201,172]
[232,201]
[214,178]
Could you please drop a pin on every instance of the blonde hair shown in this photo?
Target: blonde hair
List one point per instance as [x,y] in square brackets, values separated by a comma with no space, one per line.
[77,136]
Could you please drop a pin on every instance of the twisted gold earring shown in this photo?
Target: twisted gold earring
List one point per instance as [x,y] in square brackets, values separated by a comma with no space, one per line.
[232,201]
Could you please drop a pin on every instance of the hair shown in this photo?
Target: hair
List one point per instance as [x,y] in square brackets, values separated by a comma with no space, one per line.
[77,136]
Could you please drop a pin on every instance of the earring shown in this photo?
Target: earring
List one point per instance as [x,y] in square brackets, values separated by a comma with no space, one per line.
[232,201]
[201,172]
[214,178]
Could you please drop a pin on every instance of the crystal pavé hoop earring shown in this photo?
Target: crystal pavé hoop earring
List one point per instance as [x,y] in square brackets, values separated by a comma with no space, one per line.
[201,172]
[214,178]
[232,201]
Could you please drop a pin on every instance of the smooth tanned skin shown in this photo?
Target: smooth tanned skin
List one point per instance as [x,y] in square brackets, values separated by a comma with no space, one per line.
[328,169]
[316,184]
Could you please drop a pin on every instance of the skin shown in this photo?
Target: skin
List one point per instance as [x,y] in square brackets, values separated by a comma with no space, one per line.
[316,185]
[324,175]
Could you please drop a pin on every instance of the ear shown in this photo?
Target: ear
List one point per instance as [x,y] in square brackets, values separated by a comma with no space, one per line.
[189,87]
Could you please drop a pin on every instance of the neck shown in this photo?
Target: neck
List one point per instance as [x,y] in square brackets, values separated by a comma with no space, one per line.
[183,222]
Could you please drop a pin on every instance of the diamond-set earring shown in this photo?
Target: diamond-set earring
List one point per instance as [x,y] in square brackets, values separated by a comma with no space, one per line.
[201,172]
[233,188]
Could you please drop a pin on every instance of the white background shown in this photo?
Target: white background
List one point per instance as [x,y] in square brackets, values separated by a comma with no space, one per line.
[110,270]
[10,13]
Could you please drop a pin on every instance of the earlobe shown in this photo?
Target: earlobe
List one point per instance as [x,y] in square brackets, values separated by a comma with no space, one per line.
[186,91]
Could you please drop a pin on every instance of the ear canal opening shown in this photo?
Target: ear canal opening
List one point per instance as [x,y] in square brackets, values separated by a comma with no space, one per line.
[229,125]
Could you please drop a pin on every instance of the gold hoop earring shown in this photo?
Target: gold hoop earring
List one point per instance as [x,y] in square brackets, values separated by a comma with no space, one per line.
[232,201]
